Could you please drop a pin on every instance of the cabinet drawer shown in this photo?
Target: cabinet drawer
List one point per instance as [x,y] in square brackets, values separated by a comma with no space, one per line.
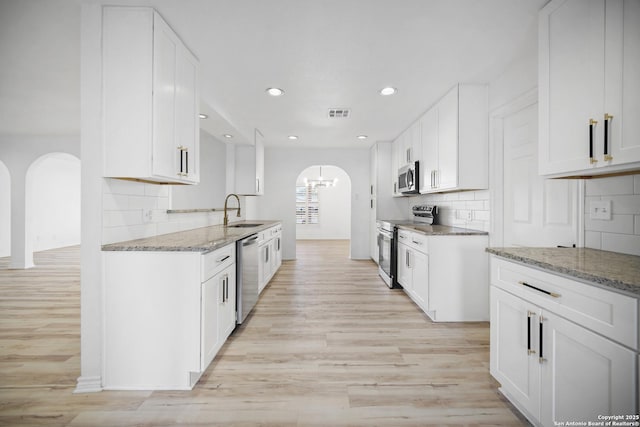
[216,261]
[608,313]
[415,241]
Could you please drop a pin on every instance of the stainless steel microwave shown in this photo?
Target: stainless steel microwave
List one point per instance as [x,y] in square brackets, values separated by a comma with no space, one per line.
[409,178]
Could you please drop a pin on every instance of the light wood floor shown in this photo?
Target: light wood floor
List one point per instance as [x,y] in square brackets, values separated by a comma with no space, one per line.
[328,344]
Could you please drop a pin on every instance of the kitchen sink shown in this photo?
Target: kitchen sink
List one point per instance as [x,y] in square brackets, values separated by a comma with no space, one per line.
[245,225]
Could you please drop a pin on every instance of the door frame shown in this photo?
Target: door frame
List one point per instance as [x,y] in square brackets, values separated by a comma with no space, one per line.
[496,168]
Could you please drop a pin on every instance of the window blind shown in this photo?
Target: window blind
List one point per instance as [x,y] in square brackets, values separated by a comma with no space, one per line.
[307,206]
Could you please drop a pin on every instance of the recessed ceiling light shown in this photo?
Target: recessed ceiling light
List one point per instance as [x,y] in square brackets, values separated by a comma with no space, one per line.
[275,91]
[385,91]
[293,137]
[226,135]
[203,116]
[362,136]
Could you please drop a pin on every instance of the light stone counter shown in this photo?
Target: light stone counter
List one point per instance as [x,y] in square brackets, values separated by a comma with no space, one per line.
[437,229]
[205,239]
[611,270]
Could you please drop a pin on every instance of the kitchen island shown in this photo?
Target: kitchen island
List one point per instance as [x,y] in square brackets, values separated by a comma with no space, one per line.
[170,302]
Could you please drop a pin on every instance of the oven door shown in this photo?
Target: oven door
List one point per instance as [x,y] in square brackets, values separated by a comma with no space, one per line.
[385,244]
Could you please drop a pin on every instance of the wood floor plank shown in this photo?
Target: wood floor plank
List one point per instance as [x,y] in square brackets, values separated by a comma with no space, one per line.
[328,344]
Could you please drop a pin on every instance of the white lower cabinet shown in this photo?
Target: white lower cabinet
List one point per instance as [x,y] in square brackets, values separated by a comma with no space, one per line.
[270,250]
[445,275]
[166,315]
[413,269]
[551,368]
[218,313]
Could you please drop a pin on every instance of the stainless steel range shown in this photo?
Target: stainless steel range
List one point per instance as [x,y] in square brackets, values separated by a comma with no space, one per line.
[386,252]
[387,240]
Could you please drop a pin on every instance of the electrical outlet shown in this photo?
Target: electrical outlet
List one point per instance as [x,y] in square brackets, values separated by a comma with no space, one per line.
[147,215]
[600,209]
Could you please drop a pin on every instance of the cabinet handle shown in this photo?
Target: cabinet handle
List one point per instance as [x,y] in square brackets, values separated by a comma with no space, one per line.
[592,123]
[223,282]
[223,258]
[553,294]
[417,243]
[408,262]
[530,351]
[371,203]
[371,190]
[266,259]
[257,185]
[394,187]
[541,359]
[186,161]
[607,156]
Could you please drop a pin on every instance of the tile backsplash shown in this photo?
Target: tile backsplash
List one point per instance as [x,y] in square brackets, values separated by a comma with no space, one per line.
[133,210]
[468,209]
[622,232]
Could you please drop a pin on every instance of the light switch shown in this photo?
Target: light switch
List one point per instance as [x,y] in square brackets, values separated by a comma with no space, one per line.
[600,209]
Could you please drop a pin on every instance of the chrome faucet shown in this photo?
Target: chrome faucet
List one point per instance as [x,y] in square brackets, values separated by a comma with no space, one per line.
[226,217]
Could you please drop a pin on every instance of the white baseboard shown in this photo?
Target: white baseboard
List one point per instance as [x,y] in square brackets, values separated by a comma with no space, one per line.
[88,385]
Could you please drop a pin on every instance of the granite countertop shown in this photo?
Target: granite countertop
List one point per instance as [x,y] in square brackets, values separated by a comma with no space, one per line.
[205,239]
[436,229]
[612,270]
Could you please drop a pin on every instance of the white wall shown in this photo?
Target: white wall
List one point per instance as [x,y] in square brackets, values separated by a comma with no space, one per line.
[334,206]
[211,190]
[55,202]
[19,153]
[622,233]
[5,211]
[282,167]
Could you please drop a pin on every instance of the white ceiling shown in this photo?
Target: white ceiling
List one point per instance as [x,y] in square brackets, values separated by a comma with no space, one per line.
[323,53]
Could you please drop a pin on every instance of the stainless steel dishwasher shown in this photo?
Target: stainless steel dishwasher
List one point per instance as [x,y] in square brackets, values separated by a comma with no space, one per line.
[246,276]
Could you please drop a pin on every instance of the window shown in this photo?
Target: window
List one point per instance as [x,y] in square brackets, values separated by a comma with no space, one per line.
[306,204]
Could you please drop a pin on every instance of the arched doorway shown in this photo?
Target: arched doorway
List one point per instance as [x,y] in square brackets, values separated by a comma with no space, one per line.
[53,202]
[5,211]
[323,204]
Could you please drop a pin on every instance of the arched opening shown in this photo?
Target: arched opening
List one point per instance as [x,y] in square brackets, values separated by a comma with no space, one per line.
[5,211]
[323,204]
[53,202]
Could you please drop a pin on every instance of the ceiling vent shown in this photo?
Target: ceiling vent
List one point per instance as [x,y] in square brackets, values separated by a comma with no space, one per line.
[339,113]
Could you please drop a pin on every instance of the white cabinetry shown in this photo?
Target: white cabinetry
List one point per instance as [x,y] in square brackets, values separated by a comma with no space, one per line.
[150,90]
[446,276]
[218,312]
[382,205]
[166,315]
[249,170]
[455,147]
[561,350]
[588,72]
[413,267]
[270,252]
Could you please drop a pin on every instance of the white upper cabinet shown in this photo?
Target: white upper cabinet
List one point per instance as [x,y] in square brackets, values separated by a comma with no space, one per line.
[589,87]
[455,141]
[150,83]
[250,167]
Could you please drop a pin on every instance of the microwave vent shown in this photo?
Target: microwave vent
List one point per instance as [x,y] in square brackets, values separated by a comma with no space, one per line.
[339,113]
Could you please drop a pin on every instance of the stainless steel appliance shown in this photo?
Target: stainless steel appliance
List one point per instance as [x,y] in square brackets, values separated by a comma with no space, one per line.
[409,178]
[246,276]
[386,252]
[425,214]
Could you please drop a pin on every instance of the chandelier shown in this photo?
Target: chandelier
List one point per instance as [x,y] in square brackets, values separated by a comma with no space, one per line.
[321,182]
